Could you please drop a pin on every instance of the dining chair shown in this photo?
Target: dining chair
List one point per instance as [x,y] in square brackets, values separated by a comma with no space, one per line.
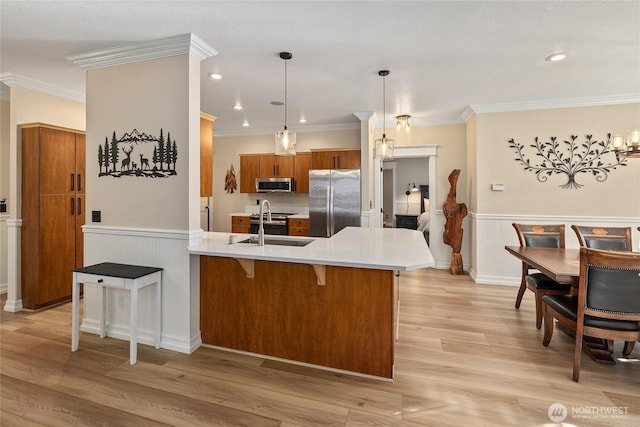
[607,305]
[607,238]
[611,239]
[538,235]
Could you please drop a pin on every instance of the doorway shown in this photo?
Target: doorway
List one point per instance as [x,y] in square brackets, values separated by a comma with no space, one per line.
[425,153]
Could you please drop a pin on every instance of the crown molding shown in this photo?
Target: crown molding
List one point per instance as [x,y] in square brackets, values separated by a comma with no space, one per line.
[467,114]
[363,116]
[556,103]
[434,121]
[305,129]
[14,80]
[183,44]
[5,93]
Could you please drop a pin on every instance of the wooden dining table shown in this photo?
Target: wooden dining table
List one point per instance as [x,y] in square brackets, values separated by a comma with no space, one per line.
[563,266]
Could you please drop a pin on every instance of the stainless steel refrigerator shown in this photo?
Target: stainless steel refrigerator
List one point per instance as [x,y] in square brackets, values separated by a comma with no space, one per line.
[334,200]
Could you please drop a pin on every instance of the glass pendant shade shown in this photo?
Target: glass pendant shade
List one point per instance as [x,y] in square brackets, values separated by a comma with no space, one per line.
[384,148]
[285,143]
[285,140]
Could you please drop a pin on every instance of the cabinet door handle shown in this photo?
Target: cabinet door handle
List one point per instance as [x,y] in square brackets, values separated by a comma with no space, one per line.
[79,206]
[73,207]
[73,183]
[278,170]
[79,182]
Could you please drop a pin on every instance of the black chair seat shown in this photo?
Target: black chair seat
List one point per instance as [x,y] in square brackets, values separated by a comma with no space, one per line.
[540,281]
[567,306]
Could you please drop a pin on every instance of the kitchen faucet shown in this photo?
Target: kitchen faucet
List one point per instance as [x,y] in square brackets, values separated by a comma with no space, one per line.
[261,229]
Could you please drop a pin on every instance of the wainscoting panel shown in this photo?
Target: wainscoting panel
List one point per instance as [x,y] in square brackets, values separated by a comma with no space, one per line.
[490,262]
[180,293]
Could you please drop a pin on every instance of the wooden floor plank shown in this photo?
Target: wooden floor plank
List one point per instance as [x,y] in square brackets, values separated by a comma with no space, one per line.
[465,356]
[44,406]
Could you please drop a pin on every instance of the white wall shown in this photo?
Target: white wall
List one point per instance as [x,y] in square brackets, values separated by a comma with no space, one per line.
[121,99]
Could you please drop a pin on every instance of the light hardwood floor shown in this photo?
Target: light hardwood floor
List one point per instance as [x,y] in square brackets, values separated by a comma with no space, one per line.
[465,357]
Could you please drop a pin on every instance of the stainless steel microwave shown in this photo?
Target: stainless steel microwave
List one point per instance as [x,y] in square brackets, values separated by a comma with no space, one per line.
[275,185]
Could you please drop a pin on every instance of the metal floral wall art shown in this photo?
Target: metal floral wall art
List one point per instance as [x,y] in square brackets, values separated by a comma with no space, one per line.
[570,158]
[138,154]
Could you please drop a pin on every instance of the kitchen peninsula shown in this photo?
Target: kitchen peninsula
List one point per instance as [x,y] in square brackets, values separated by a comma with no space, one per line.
[330,303]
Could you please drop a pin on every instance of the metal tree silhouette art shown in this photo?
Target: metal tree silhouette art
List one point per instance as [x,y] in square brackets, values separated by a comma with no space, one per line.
[569,158]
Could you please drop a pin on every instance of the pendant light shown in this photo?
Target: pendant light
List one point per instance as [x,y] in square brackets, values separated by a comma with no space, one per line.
[402,122]
[384,146]
[285,139]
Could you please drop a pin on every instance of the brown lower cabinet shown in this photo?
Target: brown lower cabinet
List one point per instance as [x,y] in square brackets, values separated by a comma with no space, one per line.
[53,212]
[281,311]
[298,226]
[240,224]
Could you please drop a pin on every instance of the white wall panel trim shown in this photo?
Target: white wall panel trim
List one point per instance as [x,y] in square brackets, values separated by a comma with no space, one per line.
[492,232]
[167,249]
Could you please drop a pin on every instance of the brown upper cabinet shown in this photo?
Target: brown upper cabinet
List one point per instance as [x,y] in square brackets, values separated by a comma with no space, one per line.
[206,155]
[301,166]
[249,171]
[346,158]
[276,166]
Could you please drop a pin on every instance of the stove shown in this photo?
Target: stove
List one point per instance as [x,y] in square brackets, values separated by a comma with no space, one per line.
[279,223]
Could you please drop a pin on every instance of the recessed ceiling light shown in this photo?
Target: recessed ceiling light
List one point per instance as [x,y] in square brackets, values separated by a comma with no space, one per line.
[302,120]
[237,107]
[215,76]
[245,124]
[559,56]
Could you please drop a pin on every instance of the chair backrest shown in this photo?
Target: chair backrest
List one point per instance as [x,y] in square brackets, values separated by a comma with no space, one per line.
[605,238]
[609,284]
[540,235]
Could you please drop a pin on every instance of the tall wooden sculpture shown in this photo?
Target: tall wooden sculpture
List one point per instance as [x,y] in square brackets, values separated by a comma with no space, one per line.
[454,213]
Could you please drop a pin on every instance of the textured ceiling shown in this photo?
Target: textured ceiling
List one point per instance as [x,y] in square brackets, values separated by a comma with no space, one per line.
[443,56]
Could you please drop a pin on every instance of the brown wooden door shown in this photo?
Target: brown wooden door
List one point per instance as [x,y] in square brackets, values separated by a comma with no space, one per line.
[301,166]
[285,166]
[249,171]
[336,159]
[349,159]
[276,166]
[268,165]
[322,160]
[57,247]
[80,210]
[57,163]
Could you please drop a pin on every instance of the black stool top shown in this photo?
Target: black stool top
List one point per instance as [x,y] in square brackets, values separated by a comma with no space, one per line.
[124,271]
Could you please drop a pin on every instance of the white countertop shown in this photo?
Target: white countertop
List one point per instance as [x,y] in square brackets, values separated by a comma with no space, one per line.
[376,248]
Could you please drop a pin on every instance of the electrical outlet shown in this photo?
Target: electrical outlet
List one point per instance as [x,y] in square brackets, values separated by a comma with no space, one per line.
[121,302]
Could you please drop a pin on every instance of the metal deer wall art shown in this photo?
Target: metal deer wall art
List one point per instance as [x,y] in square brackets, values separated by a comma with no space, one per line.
[153,156]
[570,158]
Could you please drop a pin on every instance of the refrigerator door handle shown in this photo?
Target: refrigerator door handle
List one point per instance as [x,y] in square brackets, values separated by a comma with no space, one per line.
[331,217]
[328,210]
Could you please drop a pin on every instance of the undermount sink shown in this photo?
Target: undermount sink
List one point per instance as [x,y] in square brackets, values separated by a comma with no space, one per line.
[280,242]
